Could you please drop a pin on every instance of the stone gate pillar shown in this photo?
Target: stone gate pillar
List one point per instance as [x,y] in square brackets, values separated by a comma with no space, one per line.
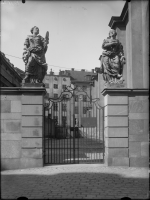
[32,127]
[22,127]
[126,127]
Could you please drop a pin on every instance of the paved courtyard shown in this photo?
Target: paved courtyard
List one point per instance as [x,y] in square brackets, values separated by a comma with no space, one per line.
[75,181]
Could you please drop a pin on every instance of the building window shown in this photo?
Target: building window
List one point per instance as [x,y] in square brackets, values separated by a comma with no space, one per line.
[84,110]
[55,79]
[84,98]
[63,87]
[55,107]
[64,79]
[55,96]
[76,110]
[56,86]
[64,107]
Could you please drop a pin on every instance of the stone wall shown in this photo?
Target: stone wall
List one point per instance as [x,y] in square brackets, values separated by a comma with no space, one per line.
[10,131]
[21,127]
[138,130]
[133,32]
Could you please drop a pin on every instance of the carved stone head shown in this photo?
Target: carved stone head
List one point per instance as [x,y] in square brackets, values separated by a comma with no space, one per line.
[35,29]
[112,32]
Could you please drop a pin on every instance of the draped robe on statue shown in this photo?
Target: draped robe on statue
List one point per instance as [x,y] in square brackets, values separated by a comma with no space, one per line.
[35,57]
[111,63]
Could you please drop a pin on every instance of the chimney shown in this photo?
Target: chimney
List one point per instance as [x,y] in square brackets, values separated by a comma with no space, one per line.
[51,72]
[72,69]
[83,70]
[93,70]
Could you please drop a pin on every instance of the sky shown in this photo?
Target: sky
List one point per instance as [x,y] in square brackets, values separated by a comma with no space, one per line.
[76,30]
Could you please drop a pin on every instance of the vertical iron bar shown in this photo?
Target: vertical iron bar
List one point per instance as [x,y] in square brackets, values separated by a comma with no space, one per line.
[44,160]
[99,129]
[85,145]
[63,128]
[52,131]
[59,131]
[51,136]
[96,128]
[70,129]
[103,130]
[48,136]
[73,128]
[66,128]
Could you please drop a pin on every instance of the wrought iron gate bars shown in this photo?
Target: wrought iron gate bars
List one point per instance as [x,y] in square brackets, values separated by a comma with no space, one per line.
[66,95]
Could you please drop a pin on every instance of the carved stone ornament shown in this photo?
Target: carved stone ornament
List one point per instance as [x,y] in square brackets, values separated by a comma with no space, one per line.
[35,47]
[112,61]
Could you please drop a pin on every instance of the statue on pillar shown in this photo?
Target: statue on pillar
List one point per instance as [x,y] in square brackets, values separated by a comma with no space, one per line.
[112,60]
[35,47]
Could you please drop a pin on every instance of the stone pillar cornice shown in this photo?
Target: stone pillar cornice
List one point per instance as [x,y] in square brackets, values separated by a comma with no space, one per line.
[119,21]
[125,90]
[20,90]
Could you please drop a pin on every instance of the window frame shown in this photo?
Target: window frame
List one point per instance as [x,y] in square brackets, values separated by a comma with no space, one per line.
[55,86]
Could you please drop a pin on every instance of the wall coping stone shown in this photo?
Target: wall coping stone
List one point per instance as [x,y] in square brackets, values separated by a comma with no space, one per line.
[21,90]
[121,91]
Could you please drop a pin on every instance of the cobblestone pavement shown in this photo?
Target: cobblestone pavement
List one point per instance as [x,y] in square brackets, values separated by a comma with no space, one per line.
[75,181]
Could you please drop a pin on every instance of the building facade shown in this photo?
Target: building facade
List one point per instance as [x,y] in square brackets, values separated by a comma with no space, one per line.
[56,86]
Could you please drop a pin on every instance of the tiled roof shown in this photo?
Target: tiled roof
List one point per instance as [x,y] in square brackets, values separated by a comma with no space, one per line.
[8,61]
[79,75]
[10,65]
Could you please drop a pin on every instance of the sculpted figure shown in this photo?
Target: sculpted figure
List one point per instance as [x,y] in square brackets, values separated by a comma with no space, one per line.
[112,59]
[35,47]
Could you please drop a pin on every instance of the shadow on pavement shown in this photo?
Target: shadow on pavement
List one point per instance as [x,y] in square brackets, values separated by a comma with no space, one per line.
[72,185]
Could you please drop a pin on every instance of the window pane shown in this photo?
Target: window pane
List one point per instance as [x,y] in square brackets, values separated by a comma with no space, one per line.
[55,86]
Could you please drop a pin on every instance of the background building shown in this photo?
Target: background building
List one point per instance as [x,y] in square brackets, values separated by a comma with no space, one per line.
[55,86]
[9,76]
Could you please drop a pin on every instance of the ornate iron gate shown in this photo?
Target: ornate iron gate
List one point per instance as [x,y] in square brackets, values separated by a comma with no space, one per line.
[73,128]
